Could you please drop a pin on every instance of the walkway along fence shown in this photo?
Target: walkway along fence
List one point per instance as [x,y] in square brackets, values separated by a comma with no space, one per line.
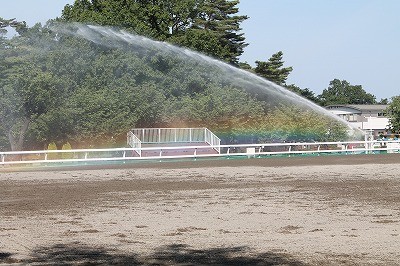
[48,157]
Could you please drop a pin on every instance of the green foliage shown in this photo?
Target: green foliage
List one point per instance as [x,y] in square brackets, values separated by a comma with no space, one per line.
[28,89]
[53,155]
[67,155]
[219,17]
[145,18]
[208,26]
[342,92]
[52,146]
[306,93]
[394,114]
[384,101]
[4,144]
[273,69]
[59,87]
[20,27]
[296,124]
[221,109]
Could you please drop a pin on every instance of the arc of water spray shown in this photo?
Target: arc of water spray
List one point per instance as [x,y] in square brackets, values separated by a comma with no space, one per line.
[97,34]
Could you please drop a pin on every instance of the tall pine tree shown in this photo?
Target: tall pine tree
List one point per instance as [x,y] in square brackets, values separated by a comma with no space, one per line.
[273,69]
[219,18]
[208,26]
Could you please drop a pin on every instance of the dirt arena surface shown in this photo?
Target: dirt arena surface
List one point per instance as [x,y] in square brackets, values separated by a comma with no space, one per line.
[326,210]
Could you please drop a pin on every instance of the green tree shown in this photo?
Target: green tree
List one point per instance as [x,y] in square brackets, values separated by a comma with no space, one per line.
[394,114]
[52,147]
[148,18]
[208,26]
[306,93]
[384,101]
[245,66]
[342,92]
[28,89]
[25,99]
[220,18]
[273,69]
[67,155]
[60,87]
[20,26]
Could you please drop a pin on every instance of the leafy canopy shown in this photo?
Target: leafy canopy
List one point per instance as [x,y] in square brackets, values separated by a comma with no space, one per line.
[59,87]
[208,26]
[394,114]
[342,92]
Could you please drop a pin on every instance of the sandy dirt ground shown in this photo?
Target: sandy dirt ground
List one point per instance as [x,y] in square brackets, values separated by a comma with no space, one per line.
[327,210]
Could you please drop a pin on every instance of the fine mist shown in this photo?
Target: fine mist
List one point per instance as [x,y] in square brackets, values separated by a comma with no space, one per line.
[95,83]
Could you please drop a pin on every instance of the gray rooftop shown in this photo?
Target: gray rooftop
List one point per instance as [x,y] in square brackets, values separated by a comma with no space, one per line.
[362,107]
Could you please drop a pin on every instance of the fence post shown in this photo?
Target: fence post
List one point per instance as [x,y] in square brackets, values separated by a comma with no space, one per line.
[174,134]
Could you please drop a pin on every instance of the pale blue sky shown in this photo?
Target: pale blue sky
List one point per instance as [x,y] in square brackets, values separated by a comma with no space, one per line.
[355,40]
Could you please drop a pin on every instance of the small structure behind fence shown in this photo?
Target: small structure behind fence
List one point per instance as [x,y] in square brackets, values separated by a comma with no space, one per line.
[139,138]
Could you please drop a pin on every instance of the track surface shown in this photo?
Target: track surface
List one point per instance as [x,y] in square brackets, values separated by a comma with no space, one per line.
[325,210]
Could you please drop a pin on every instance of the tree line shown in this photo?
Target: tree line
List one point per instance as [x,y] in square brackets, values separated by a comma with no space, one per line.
[91,95]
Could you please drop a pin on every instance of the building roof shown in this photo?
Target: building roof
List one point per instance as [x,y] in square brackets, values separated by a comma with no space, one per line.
[361,107]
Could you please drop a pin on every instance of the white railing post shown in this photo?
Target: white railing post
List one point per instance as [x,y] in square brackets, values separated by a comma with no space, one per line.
[175,135]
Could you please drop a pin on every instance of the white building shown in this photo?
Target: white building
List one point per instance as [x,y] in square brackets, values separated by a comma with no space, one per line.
[369,117]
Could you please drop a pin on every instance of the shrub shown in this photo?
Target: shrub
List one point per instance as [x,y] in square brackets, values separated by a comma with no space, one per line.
[67,155]
[52,156]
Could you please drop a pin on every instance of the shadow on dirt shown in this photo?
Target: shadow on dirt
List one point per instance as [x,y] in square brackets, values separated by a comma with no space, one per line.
[6,258]
[168,255]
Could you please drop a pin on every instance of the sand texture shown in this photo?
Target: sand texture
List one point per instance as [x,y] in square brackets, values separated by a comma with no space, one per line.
[324,210]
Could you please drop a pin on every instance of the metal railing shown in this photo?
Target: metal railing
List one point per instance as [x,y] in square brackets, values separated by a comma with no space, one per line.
[134,142]
[212,140]
[48,157]
[175,135]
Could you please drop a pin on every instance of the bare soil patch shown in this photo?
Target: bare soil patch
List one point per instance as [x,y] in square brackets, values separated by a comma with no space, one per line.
[295,211]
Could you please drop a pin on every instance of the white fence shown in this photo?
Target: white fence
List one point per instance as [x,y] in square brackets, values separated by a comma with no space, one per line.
[138,136]
[135,143]
[67,157]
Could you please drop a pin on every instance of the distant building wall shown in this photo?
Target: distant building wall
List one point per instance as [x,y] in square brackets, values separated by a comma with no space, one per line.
[366,117]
